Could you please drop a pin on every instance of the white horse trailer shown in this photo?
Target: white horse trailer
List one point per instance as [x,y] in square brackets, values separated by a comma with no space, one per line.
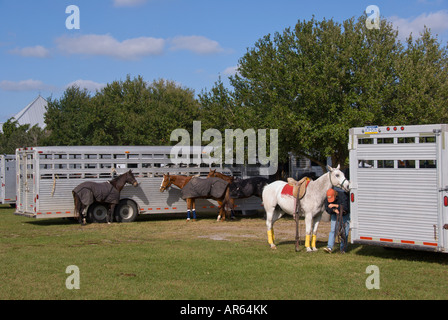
[46,177]
[8,179]
[399,186]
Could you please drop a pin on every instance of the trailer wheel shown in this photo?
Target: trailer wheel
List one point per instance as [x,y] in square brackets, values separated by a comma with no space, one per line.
[126,211]
[97,213]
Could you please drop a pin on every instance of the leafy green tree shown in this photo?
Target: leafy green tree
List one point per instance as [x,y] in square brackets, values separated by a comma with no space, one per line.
[16,136]
[68,119]
[129,112]
[315,81]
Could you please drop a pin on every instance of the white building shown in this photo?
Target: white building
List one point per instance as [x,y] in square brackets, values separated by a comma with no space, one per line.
[33,113]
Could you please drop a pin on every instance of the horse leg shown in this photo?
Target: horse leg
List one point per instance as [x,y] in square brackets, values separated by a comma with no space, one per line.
[316,221]
[220,215]
[110,214]
[82,215]
[232,208]
[311,232]
[308,225]
[194,209]
[272,215]
[188,208]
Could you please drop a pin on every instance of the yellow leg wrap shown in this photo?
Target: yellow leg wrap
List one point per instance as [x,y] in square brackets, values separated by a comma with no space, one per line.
[307,241]
[271,237]
[313,241]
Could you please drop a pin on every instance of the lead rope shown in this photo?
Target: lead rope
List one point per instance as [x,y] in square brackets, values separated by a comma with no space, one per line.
[54,184]
[297,212]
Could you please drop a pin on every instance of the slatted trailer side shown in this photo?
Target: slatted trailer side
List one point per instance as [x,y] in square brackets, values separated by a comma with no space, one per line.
[47,175]
[399,186]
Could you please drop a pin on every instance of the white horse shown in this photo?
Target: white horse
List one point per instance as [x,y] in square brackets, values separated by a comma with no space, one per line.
[312,204]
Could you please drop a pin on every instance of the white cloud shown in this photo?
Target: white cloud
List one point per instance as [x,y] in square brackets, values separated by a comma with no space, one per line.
[437,22]
[87,84]
[25,85]
[106,45]
[36,51]
[231,71]
[128,3]
[196,44]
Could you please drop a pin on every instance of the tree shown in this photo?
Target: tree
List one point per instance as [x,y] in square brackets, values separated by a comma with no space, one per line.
[68,119]
[18,136]
[315,81]
[129,112]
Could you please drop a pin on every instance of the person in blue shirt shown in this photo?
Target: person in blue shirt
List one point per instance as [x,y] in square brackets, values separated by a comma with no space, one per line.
[337,205]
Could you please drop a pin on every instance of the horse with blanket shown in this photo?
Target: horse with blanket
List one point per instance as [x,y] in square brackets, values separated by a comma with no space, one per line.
[108,193]
[193,188]
[241,188]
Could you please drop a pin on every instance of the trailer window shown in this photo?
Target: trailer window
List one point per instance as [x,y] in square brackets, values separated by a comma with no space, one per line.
[385,164]
[385,140]
[430,139]
[365,141]
[406,164]
[406,140]
[366,164]
[427,164]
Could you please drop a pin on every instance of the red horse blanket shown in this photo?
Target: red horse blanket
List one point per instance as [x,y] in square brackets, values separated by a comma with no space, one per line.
[293,189]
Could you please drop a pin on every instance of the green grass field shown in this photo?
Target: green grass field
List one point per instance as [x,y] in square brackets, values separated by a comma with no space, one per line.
[164,257]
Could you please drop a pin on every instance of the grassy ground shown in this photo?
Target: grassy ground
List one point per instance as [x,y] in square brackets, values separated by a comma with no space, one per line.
[164,257]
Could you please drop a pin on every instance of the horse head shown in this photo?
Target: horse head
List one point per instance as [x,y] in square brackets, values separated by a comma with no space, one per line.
[131,179]
[211,174]
[338,179]
[166,182]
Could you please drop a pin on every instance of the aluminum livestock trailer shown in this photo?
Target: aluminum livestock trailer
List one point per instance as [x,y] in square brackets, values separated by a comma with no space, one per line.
[8,179]
[46,177]
[399,186]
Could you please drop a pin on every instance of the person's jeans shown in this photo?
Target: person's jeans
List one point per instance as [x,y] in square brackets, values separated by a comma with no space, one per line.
[331,237]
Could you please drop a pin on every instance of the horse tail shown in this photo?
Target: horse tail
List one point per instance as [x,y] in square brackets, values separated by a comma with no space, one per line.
[76,203]
[226,203]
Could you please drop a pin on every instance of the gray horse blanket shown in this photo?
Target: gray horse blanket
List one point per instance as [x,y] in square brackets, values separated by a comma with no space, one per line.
[90,192]
[204,188]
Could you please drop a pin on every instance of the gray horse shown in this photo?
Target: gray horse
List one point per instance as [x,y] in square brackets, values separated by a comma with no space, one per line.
[312,204]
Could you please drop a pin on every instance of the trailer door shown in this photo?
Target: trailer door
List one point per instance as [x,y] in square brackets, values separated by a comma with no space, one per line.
[25,181]
[396,194]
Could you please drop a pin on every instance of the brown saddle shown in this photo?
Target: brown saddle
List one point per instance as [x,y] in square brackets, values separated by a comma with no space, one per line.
[299,187]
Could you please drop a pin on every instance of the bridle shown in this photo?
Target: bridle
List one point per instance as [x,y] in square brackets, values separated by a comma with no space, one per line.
[340,185]
[162,187]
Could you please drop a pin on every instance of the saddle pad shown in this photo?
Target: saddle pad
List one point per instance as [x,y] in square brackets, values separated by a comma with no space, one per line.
[296,188]
[287,190]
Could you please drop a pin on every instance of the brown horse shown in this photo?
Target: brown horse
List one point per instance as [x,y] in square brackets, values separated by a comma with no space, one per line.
[181,181]
[103,192]
[227,178]
[242,188]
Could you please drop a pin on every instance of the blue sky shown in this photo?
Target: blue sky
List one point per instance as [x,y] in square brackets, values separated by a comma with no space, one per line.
[192,42]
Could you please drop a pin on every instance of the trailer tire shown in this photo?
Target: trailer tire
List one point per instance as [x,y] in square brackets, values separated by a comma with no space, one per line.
[126,211]
[97,213]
